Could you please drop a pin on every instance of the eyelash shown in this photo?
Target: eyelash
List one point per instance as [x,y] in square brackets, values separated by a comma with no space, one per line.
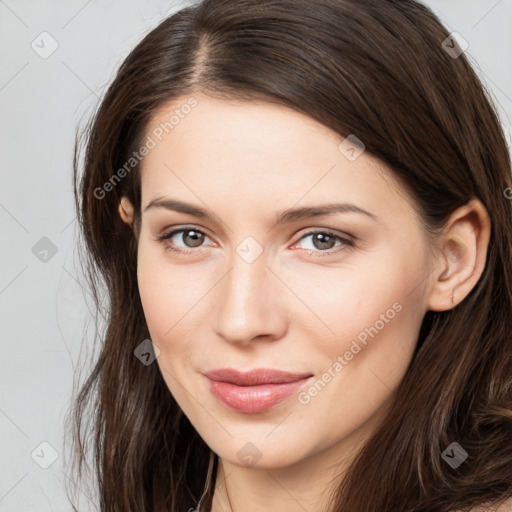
[347,242]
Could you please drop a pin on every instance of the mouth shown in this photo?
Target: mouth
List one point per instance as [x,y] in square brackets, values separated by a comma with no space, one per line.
[256,391]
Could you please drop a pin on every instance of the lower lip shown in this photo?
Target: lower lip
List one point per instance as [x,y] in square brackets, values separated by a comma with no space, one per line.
[254,399]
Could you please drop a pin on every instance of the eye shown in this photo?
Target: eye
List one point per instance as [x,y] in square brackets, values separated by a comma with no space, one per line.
[190,236]
[322,240]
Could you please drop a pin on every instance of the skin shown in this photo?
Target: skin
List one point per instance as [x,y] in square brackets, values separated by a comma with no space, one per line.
[246,162]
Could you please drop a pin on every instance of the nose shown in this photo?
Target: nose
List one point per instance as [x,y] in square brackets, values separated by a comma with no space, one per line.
[250,303]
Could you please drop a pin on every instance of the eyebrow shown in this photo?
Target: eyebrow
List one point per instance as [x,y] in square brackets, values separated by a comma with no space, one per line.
[286,216]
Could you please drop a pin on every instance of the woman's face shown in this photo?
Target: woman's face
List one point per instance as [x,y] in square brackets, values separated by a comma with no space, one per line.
[266,280]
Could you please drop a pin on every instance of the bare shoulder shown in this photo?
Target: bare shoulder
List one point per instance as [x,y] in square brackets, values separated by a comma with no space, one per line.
[505,506]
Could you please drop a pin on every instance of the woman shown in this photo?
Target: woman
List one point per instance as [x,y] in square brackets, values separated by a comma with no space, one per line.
[300,213]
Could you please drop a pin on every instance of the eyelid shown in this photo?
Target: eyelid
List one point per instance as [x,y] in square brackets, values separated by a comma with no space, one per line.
[328,231]
[346,236]
[169,233]
[347,242]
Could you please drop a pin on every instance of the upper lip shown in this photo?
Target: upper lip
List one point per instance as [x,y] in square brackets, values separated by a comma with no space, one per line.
[255,377]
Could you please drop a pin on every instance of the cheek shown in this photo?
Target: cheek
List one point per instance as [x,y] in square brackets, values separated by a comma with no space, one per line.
[379,324]
[167,295]
[163,291]
[362,367]
[358,303]
[172,297]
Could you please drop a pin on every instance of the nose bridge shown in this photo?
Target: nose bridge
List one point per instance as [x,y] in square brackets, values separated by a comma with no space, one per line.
[244,307]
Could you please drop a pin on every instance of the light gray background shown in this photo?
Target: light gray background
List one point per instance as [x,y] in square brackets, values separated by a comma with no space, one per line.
[42,306]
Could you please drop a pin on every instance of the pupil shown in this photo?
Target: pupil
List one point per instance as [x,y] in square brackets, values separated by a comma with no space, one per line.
[320,239]
[197,240]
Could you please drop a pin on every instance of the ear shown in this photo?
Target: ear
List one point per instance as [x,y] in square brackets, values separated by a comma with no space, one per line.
[126,211]
[462,253]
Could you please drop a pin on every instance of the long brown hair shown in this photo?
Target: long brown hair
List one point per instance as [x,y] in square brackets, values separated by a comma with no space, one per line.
[380,69]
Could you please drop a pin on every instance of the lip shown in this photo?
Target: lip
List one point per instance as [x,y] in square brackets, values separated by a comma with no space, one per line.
[255,391]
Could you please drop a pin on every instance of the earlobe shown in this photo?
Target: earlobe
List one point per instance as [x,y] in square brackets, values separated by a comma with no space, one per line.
[126,211]
[462,256]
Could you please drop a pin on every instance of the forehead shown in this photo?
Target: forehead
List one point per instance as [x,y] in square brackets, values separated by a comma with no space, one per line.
[251,129]
[258,153]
